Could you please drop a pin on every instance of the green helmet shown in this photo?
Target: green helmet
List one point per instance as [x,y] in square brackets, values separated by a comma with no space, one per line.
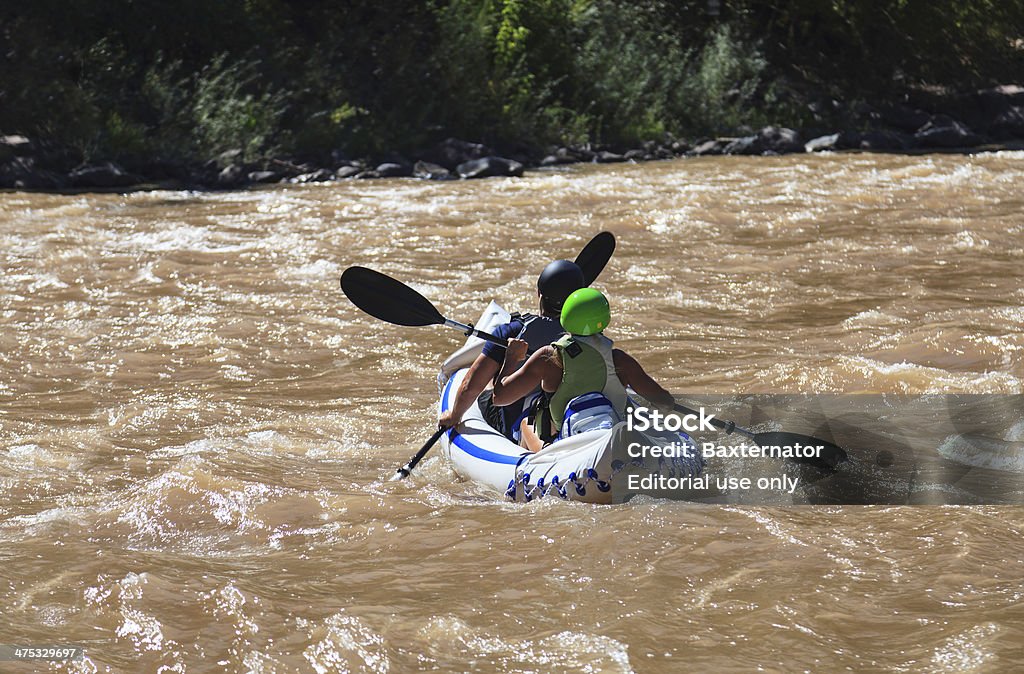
[586,312]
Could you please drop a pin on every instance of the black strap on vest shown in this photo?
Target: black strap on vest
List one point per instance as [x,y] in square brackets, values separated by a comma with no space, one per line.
[542,415]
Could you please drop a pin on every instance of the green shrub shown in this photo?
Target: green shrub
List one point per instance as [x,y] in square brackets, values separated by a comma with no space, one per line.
[231,110]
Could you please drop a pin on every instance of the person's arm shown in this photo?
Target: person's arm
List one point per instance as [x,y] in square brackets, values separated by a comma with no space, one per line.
[631,374]
[473,384]
[511,384]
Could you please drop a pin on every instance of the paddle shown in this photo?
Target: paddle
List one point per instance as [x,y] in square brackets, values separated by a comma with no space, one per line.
[828,457]
[595,256]
[392,301]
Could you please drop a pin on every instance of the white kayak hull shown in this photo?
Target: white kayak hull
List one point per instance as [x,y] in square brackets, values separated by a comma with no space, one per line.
[578,468]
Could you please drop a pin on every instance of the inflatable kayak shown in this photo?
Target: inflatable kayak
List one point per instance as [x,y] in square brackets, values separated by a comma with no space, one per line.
[578,468]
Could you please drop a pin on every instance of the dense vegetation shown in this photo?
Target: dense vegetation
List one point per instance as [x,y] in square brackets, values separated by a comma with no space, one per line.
[188,79]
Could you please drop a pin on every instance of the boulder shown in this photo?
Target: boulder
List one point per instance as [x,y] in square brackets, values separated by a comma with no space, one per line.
[709,147]
[231,176]
[347,172]
[102,175]
[451,152]
[582,153]
[637,155]
[317,176]
[562,155]
[229,157]
[393,170]
[679,147]
[904,118]
[368,174]
[874,141]
[745,145]
[21,173]
[945,132]
[15,146]
[780,140]
[1009,124]
[264,177]
[828,143]
[424,170]
[605,157]
[489,167]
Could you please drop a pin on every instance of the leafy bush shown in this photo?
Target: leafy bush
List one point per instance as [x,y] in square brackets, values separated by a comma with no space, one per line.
[232,110]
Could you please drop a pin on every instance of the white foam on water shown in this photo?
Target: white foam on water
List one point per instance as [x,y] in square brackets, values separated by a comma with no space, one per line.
[314,271]
[984,452]
[344,643]
[873,317]
[142,629]
[180,237]
[568,650]
[969,651]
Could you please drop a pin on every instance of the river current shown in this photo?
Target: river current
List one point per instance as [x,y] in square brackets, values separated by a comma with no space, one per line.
[197,427]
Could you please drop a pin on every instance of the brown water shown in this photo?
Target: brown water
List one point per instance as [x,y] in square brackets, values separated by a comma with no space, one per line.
[196,426]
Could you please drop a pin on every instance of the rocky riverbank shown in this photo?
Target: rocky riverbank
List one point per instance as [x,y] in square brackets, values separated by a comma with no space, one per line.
[984,120]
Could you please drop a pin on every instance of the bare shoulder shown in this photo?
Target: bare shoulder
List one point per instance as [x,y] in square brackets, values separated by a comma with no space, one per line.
[622,360]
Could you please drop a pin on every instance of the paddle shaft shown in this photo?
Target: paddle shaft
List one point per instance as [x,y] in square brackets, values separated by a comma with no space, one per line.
[469,330]
[405,470]
[727,426]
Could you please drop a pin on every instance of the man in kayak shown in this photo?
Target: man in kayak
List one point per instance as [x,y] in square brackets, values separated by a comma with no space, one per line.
[583,378]
[558,280]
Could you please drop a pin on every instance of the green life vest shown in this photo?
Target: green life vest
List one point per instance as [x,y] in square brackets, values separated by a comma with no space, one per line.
[587,366]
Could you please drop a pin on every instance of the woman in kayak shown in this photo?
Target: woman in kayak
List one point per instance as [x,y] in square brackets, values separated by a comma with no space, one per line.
[583,378]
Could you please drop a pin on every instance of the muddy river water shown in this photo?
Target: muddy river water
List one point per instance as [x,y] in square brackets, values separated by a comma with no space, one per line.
[196,426]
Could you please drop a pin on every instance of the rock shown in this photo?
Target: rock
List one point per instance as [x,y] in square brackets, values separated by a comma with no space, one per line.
[451,152]
[393,170]
[636,155]
[828,143]
[347,172]
[229,157]
[106,174]
[777,140]
[745,145]
[264,177]
[317,176]
[15,146]
[904,118]
[679,147]
[560,156]
[488,167]
[1009,124]
[995,101]
[884,140]
[21,173]
[780,140]
[663,153]
[368,174]
[606,157]
[424,170]
[581,153]
[710,147]
[945,132]
[231,176]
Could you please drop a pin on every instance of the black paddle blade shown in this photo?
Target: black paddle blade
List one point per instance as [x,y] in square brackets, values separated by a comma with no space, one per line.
[595,256]
[828,457]
[388,299]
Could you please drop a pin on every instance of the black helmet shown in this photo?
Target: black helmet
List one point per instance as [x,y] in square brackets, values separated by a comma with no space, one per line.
[559,280]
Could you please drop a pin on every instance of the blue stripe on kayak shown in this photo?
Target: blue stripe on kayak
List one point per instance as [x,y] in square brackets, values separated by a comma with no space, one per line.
[465,444]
